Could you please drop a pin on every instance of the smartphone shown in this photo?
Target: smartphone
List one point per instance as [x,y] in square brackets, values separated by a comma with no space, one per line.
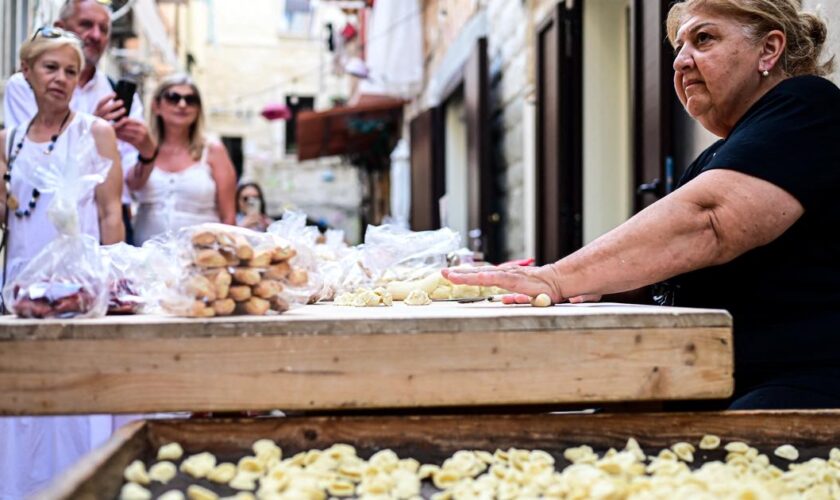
[252,205]
[125,92]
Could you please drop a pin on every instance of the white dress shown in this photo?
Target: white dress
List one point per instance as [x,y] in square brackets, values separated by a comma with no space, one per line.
[172,200]
[33,450]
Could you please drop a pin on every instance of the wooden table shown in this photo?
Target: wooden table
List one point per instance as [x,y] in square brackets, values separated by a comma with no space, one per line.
[328,357]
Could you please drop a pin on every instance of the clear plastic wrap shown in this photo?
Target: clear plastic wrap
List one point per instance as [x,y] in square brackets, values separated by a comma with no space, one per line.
[68,277]
[220,270]
[393,253]
[292,228]
[128,278]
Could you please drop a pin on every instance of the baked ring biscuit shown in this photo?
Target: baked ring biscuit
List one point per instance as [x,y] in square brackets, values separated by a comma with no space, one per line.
[240,293]
[210,258]
[246,276]
[224,307]
[278,271]
[203,239]
[298,277]
[267,289]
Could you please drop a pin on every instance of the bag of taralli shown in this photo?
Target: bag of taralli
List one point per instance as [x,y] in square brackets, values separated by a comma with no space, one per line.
[228,270]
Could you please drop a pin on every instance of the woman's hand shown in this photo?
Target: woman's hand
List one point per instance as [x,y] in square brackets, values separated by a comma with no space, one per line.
[524,282]
[109,108]
[136,133]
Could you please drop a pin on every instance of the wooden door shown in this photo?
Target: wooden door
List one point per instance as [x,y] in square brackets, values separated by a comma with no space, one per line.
[559,133]
[483,199]
[653,98]
[427,174]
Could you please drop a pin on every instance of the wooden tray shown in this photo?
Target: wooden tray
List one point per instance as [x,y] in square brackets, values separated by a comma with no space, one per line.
[431,439]
[329,357]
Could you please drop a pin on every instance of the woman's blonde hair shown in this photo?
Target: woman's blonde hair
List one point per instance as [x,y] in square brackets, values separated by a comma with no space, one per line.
[197,139]
[38,44]
[806,33]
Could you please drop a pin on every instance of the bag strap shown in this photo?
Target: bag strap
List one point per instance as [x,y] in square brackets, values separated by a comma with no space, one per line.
[4,242]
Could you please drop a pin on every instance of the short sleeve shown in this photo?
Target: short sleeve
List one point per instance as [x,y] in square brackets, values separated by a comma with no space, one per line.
[790,138]
[19,104]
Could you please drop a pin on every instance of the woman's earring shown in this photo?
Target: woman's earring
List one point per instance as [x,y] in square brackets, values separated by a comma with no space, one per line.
[765,73]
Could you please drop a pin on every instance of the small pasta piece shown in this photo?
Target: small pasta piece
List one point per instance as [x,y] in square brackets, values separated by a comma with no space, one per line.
[198,466]
[736,447]
[787,451]
[136,473]
[196,492]
[243,481]
[171,451]
[684,451]
[162,472]
[172,495]
[222,473]
[709,442]
[341,488]
[133,491]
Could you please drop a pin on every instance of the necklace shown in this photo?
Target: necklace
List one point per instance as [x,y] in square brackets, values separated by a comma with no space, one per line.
[11,200]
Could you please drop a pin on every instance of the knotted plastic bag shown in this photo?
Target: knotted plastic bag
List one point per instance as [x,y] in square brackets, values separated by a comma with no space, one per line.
[68,278]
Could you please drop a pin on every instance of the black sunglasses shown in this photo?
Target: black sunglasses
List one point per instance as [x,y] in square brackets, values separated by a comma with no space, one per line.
[174,98]
[53,32]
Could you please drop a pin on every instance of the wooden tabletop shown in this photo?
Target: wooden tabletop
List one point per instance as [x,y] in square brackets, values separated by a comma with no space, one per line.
[326,357]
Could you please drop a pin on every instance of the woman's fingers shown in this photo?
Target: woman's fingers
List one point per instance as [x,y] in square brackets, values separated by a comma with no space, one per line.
[516,298]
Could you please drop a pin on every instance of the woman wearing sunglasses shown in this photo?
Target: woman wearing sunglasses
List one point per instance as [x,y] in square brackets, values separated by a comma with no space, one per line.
[190,179]
[34,449]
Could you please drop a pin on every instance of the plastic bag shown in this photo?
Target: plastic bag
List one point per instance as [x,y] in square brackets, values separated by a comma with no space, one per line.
[393,253]
[128,277]
[292,228]
[222,270]
[68,277]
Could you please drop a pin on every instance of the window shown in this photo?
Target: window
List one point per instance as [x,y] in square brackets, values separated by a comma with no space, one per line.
[14,28]
[296,104]
[297,17]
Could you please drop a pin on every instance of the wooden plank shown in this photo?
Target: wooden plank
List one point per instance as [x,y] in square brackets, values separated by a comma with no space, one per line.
[373,370]
[433,438]
[326,319]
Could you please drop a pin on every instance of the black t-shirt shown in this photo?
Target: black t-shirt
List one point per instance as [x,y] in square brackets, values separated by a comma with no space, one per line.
[785,296]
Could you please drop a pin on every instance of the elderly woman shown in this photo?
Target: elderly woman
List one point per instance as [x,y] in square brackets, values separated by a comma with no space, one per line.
[34,449]
[190,179]
[751,228]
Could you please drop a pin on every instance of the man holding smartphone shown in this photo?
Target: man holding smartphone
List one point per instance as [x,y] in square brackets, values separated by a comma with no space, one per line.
[95,94]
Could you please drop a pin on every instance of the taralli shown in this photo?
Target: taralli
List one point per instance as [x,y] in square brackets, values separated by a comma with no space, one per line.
[136,472]
[281,254]
[267,289]
[219,276]
[224,307]
[260,259]
[246,276]
[202,310]
[417,298]
[210,258]
[203,239]
[298,277]
[278,271]
[240,293]
[256,306]
[201,287]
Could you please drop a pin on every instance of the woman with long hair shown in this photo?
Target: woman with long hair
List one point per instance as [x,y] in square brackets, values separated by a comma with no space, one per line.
[190,179]
[250,207]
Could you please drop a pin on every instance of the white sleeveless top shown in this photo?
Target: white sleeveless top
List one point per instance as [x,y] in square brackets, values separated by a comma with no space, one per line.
[28,235]
[172,200]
